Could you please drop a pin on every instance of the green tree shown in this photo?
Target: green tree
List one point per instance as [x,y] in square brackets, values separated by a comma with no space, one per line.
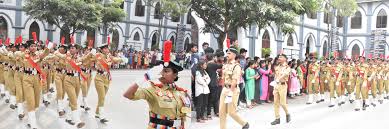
[76,15]
[223,16]
[68,15]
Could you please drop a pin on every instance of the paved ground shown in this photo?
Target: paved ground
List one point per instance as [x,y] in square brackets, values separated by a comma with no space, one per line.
[315,116]
[124,114]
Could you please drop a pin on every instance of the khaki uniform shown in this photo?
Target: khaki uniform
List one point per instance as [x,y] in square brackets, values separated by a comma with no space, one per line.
[103,77]
[86,70]
[324,77]
[18,76]
[2,80]
[373,81]
[167,103]
[231,74]
[386,83]
[281,74]
[31,80]
[380,81]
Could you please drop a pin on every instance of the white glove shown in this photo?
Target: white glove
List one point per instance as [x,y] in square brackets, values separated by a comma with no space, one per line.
[313,81]
[348,83]
[93,51]
[337,83]
[50,45]
[325,81]
[370,78]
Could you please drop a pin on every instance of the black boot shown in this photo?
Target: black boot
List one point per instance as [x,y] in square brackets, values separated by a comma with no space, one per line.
[246,126]
[275,122]
[288,118]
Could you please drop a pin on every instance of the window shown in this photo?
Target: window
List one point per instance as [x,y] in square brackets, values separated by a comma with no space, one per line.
[325,49]
[189,17]
[3,29]
[175,18]
[290,41]
[356,21]
[327,15]
[339,21]
[34,27]
[139,9]
[355,51]
[312,15]
[136,37]
[157,11]
[265,43]
[381,19]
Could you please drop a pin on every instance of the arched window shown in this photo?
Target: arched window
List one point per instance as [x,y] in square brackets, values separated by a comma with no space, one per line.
[355,51]
[157,11]
[265,43]
[327,15]
[290,41]
[189,17]
[339,21]
[382,19]
[34,27]
[154,41]
[3,29]
[139,9]
[325,49]
[136,37]
[175,18]
[90,36]
[312,15]
[356,21]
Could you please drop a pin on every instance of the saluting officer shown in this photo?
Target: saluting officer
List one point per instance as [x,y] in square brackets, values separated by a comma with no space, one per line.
[169,104]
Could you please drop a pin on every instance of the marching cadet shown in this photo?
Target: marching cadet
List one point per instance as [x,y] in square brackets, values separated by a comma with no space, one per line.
[386,84]
[72,83]
[59,77]
[32,78]
[10,75]
[339,70]
[373,81]
[380,80]
[6,60]
[351,81]
[313,82]
[168,103]
[2,65]
[324,76]
[18,79]
[331,81]
[343,81]
[86,69]
[104,60]
[46,68]
[359,89]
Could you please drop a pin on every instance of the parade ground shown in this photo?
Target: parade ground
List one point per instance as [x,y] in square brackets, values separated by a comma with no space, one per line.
[123,113]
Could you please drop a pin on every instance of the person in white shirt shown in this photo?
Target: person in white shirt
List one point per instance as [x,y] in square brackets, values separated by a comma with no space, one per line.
[202,91]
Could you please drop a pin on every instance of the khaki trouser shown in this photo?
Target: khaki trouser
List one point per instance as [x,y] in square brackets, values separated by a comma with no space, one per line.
[32,91]
[102,86]
[59,80]
[381,86]
[313,88]
[335,88]
[323,86]
[85,85]
[374,88]
[18,80]
[279,93]
[351,88]
[386,86]
[2,80]
[229,108]
[46,84]
[10,82]
[72,88]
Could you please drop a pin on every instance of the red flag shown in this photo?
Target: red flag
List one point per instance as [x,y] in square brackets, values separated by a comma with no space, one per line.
[16,40]
[370,56]
[7,42]
[20,39]
[47,42]
[109,40]
[1,41]
[72,39]
[62,40]
[34,36]
[228,42]
[90,44]
[382,56]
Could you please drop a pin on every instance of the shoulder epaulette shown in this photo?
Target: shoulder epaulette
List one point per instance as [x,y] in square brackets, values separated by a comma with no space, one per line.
[181,89]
